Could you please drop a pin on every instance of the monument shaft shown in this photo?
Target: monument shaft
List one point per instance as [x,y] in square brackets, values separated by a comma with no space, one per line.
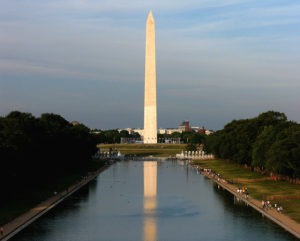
[150,112]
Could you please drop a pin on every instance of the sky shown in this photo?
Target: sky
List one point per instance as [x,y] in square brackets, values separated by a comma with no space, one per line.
[217,61]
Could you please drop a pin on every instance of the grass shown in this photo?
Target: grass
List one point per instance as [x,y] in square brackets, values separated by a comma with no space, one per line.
[161,150]
[260,187]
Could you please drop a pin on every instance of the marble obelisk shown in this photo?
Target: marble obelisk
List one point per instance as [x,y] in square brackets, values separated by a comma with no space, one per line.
[150,117]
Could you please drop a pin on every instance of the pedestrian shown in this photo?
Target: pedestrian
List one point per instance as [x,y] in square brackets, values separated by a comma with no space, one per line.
[247,194]
[1,231]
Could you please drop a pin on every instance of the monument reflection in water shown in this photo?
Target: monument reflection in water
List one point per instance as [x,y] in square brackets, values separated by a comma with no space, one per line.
[150,202]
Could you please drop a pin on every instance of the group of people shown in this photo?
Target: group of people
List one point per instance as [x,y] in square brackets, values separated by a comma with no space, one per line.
[243,191]
[267,205]
[212,174]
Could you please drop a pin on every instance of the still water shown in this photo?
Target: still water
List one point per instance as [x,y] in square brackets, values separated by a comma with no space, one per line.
[152,201]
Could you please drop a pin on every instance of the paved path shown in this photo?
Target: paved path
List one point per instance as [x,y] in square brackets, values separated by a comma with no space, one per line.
[19,223]
[279,218]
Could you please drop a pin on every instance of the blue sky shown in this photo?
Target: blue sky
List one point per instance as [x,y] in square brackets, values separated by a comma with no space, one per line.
[84,60]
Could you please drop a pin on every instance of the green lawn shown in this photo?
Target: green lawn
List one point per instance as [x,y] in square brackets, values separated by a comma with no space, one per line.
[161,150]
[260,187]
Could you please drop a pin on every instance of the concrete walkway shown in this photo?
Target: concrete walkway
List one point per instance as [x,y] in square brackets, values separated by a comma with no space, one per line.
[279,218]
[19,223]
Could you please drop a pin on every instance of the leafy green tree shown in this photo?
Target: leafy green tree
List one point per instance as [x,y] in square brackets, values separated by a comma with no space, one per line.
[175,134]
[40,149]
[264,141]
[112,136]
[212,143]
[283,156]
[197,138]
[236,141]
[270,118]
[186,136]
[260,147]
[191,147]
[124,133]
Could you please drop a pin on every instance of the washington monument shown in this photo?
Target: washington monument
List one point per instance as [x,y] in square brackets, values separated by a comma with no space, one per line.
[150,118]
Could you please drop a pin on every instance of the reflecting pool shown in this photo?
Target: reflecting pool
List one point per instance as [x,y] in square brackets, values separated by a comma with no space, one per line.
[152,200]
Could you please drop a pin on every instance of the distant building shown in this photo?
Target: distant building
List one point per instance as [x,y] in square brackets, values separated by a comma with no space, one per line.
[198,129]
[185,126]
[75,123]
[208,132]
[168,131]
[139,131]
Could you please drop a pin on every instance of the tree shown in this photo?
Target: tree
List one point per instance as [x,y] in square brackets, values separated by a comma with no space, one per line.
[191,147]
[260,147]
[41,149]
[197,138]
[237,139]
[283,156]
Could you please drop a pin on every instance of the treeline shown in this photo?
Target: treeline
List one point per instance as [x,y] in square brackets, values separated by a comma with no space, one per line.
[35,151]
[112,136]
[268,143]
[186,137]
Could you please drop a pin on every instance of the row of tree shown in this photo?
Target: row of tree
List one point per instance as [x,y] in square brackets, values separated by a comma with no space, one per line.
[268,143]
[186,137]
[35,151]
[114,136]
